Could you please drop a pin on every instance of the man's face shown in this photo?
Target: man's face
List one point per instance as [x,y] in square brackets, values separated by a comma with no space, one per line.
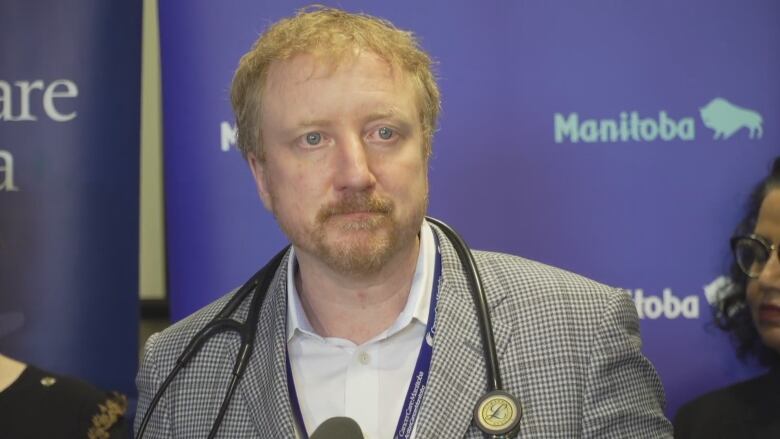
[344,169]
[763,293]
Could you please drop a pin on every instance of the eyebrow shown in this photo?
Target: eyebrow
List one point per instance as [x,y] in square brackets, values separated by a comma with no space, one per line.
[407,122]
[312,123]
[389,113]
[383,114]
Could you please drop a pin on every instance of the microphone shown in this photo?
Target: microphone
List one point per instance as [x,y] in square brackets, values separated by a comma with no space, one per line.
[338,428]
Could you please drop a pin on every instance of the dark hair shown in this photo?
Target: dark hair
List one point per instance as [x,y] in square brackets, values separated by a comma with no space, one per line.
[733,314]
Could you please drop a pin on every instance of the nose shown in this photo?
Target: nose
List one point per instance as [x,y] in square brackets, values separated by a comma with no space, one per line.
[770,275]
[352,166]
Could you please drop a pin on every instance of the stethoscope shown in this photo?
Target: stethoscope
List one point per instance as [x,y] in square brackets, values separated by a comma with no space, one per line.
[497,413]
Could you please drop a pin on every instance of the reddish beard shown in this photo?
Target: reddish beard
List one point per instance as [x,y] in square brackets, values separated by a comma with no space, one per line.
[359,202]
[376,239]
[357,245]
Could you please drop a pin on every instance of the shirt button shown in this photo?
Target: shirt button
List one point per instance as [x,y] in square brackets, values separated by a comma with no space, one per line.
[364,358]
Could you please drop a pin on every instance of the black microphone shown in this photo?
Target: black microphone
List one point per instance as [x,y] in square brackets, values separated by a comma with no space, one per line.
[338,428]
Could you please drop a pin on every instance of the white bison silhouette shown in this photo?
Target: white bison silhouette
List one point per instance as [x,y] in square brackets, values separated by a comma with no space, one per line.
[726,119]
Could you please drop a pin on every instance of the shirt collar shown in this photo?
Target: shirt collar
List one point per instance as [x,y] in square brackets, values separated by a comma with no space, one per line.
[417,304]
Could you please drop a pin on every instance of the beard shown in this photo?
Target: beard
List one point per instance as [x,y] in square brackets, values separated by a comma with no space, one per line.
[358,246]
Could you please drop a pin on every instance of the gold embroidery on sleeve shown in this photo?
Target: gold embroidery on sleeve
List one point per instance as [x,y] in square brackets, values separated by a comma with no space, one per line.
[110,411]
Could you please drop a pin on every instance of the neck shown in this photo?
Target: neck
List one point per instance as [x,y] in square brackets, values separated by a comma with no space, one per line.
[356,308]
[10,370]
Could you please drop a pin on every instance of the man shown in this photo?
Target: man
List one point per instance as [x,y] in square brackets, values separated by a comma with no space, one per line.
[335,115]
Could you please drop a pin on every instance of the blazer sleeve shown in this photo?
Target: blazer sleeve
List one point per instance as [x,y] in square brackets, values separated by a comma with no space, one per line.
[623,396]
[148,381]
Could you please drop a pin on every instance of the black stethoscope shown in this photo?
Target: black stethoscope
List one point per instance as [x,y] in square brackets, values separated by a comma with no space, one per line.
[497,413]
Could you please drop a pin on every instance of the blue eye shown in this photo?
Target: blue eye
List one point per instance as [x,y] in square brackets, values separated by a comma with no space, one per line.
[313,138]
[385,133]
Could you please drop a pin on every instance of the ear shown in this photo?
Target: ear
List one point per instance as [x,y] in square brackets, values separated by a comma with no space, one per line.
[260,174]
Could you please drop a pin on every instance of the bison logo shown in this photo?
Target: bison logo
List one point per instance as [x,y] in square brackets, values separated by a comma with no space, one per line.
[725,119]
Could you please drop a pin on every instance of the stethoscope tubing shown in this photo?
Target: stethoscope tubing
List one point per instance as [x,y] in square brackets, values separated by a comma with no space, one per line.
[222,322]
[480,301]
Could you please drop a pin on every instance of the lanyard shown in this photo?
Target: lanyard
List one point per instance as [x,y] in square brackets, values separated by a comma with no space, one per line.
[419,380]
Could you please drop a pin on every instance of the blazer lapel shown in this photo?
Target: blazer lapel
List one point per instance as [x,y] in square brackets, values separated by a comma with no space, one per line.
[458,371]
[264,385]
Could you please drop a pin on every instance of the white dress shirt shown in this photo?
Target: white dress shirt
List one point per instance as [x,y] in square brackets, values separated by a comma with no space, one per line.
[368,383]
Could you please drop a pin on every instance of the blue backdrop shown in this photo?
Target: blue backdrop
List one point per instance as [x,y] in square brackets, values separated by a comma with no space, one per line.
[615,139]
[69,137]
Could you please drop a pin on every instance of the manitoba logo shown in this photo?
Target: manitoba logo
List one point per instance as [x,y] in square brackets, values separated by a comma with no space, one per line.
[668,305]
[725,119]
[671,306]
[719,115]
[628,127]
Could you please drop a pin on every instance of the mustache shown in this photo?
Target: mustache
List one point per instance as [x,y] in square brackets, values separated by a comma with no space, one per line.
[353,203]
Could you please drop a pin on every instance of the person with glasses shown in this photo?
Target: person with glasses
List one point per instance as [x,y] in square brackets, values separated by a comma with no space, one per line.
[750,313]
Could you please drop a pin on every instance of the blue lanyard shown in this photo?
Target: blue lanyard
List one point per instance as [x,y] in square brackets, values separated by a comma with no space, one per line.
[419,381]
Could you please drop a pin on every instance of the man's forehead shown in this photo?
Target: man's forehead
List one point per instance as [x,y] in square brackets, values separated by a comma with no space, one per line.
[305,66]
[370,89]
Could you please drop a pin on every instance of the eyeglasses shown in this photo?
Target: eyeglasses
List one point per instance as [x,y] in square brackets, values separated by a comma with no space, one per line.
[752,252]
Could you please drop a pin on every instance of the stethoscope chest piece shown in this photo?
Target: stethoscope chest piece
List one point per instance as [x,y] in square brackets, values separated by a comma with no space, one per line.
[498,413]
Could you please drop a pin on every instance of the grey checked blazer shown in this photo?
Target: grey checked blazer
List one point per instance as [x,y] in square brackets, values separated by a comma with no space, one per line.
[568,348]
